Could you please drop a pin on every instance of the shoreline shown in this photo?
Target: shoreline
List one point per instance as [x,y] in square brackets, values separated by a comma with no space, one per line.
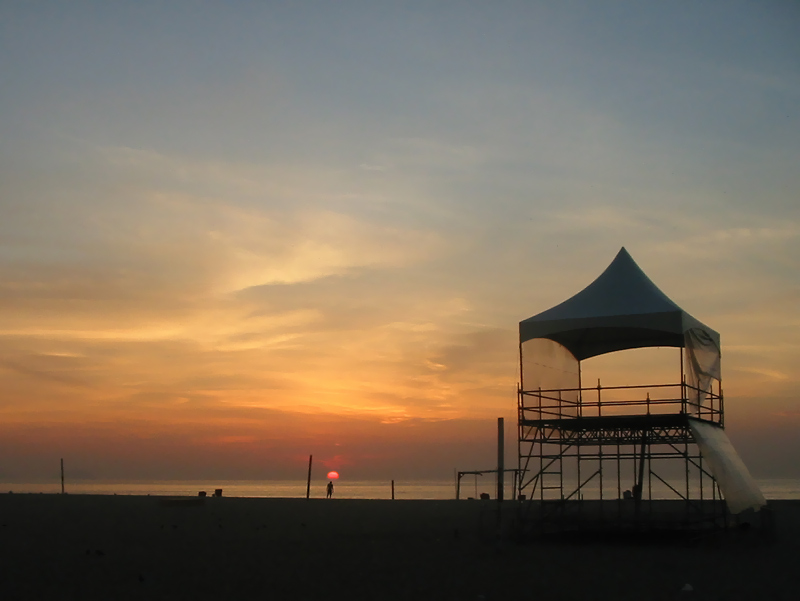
[773,489]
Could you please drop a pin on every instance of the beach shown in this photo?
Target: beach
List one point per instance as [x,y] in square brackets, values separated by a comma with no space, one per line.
[139,547]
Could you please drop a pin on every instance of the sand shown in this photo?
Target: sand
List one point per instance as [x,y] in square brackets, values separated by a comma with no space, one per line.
[119,547]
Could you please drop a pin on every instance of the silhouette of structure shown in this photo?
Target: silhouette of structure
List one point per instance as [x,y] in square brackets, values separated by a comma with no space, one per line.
[459,475]
[594,456]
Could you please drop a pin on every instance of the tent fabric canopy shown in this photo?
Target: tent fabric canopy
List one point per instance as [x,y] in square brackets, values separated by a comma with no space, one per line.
[622,309]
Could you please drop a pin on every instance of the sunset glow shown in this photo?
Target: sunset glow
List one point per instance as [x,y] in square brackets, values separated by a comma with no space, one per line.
[318,235]
[333,475]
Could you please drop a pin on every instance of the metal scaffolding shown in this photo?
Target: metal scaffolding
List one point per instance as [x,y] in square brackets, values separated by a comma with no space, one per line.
[613,457]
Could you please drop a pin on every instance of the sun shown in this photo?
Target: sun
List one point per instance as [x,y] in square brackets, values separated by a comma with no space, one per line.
[333,475]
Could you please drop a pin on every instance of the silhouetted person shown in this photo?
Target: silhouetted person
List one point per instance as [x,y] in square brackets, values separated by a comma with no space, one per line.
[330,490]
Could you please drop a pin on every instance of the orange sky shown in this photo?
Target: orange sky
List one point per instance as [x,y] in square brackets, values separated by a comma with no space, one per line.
[317,237]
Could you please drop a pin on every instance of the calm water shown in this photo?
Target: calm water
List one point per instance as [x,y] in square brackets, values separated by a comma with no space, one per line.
[772,488]
[277,489]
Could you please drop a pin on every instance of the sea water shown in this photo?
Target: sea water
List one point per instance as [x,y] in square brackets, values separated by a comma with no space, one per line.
[267,489]
[775,488]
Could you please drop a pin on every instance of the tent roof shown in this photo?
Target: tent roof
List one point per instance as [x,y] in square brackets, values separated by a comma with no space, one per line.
[622,309]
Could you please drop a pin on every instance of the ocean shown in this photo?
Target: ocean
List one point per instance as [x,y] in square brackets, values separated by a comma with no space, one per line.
[775,488]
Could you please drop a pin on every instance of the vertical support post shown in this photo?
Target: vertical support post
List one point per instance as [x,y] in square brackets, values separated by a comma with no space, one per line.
[540,435]
[599,399]
[600,446]
[640,483]
[392,490]
[520,428]
[500,458]
[514,475]
[458,486]
[308,482]
[619,482]
[684,407]
[520,437]
[650,479]
[62,475]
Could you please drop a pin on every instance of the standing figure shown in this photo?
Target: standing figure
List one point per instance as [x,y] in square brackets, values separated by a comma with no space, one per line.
[330,490]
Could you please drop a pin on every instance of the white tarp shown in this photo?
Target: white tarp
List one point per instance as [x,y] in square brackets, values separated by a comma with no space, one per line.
[737,485]
[546,365]
[702,366]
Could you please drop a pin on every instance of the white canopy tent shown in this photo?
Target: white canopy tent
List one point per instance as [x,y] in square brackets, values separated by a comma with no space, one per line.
[623,309]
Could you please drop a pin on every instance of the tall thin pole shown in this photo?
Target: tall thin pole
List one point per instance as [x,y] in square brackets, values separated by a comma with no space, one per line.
[392,490]
[641,466]
[520,429]
[514,475]
[62,476]
[500,458]
[308,483]
[684,408]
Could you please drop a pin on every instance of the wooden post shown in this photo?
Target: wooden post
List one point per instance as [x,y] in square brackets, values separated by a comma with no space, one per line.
[514,494]
[62,476]
[308,483]
[392,490]
[500,458]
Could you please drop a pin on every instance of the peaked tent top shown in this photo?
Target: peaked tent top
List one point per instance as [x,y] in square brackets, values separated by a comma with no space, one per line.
[622,309]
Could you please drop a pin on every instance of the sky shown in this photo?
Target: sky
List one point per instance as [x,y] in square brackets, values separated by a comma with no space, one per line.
[236,234]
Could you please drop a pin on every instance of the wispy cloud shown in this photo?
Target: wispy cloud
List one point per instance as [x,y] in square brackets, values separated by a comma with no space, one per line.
[296,236]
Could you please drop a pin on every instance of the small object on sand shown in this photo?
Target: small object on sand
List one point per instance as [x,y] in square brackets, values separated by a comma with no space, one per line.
[687,588]
[202,493]
[217,492]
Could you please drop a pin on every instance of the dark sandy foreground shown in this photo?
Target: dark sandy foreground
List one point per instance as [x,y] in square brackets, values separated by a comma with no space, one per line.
[107,547]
